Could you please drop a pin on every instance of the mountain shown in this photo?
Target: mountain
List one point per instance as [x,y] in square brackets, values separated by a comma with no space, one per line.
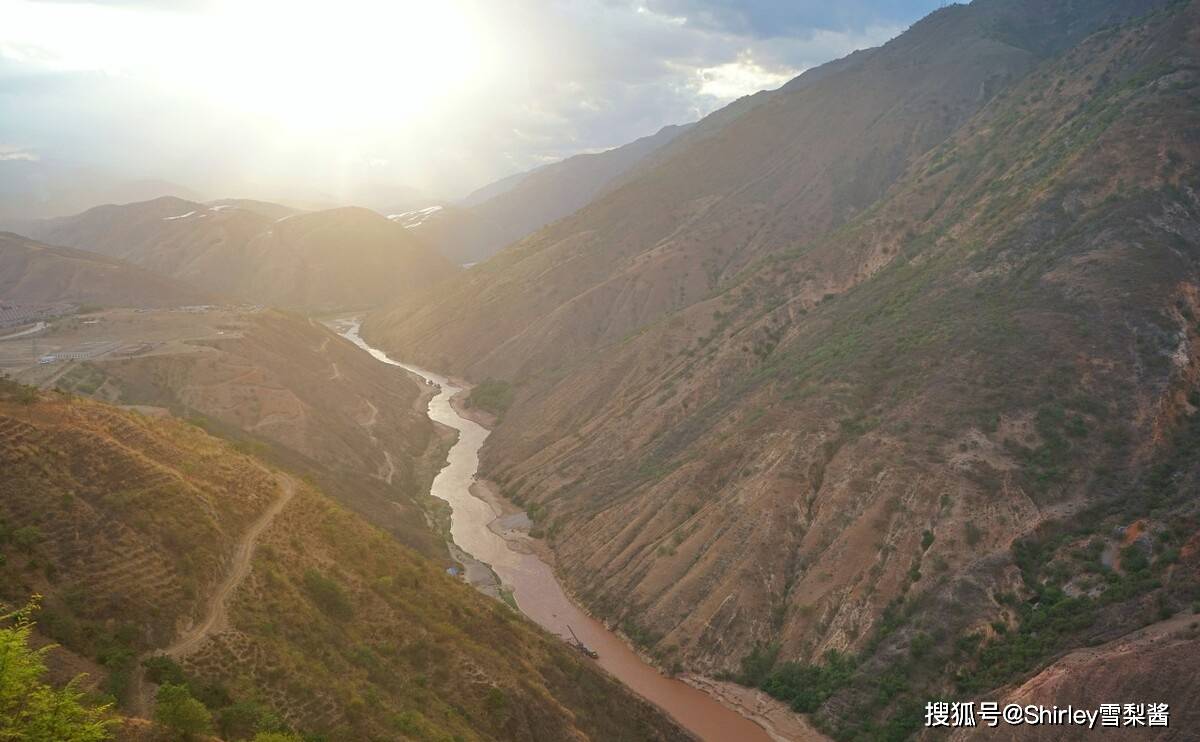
[884,387]
[460,234]
[491,217]
[790,166]
[335,259]
[554,191]
[276,607]
[31,272]
[291,390]
[493,189]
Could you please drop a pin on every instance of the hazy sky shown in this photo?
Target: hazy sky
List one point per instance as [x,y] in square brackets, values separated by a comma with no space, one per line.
[258,97]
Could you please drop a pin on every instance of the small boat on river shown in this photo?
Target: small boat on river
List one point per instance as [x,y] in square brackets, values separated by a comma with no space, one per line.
[583,648]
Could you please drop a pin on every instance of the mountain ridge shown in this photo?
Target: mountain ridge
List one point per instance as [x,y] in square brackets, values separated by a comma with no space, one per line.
[859,462]
[346,257]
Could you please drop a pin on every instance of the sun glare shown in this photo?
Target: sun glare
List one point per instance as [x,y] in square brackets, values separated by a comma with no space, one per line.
[302,65]
[332,65]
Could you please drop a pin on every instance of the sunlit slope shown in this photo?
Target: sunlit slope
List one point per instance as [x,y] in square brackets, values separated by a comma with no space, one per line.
[36,273]
[334,259]
[773,172]
[290,387]
[125,525]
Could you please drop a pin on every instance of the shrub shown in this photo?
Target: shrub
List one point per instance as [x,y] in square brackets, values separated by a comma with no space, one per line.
[32,711]
[276,737]
[328,595]
[176,710]
[491,395]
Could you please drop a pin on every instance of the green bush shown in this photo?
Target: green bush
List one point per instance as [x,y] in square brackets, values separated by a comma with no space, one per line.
[176,710]
[32,711]
[328,595]
[491,395]
[806,687]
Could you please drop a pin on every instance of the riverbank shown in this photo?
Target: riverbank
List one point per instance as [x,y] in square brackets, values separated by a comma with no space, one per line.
[462,406]
[487,529]
[512,524]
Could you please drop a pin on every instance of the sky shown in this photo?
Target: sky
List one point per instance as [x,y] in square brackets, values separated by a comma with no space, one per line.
[284,98]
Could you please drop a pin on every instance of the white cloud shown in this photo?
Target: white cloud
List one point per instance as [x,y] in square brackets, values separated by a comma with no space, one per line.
[9,153]
[269,92]
[741,77]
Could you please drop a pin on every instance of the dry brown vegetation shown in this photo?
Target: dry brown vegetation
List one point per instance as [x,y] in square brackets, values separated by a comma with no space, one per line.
[125,524]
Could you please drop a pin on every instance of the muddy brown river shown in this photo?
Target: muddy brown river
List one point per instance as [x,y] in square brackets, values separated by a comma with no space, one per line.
[535,588]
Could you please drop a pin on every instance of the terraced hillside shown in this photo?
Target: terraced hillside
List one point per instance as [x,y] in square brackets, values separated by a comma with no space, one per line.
[289,386]
[125,525]
[920,449]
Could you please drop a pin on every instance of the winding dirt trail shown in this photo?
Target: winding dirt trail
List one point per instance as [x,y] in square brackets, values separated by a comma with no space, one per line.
[216,611]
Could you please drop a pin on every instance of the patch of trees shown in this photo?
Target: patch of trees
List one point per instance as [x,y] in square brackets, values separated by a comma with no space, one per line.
[491,395]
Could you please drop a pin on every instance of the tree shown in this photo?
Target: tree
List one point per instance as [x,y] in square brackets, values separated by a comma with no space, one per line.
[176,710]
[276,737]
[30,710]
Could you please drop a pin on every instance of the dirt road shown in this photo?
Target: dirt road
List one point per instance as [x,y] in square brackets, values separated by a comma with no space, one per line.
[216,611]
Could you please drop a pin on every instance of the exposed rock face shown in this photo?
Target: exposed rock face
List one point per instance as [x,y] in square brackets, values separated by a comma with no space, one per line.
[873,364]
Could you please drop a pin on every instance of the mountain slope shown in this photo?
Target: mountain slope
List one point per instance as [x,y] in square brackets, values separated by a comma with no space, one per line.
[287,385]
[950,436]
[32,272]
[787,168]
[510,209]
[125,525]
[340,258]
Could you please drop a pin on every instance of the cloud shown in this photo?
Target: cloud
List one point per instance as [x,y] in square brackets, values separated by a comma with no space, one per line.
[735,79]
[775,18]
[147,87]
[11,153]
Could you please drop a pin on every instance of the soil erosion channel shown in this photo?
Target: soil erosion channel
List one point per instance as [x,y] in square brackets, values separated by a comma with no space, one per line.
[534,586]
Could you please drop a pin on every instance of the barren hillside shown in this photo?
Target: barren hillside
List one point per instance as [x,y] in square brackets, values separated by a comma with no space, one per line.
[32,272]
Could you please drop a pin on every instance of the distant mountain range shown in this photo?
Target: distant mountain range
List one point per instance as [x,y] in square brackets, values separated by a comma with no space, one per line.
[36,189]
[258,252]
[35,273]
[510,209]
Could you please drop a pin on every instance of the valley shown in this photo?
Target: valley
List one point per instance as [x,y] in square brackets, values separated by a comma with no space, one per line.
[204,555]
[867,378]
[475,515]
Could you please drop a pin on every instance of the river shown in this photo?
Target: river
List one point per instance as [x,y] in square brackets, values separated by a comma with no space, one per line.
[534,586]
